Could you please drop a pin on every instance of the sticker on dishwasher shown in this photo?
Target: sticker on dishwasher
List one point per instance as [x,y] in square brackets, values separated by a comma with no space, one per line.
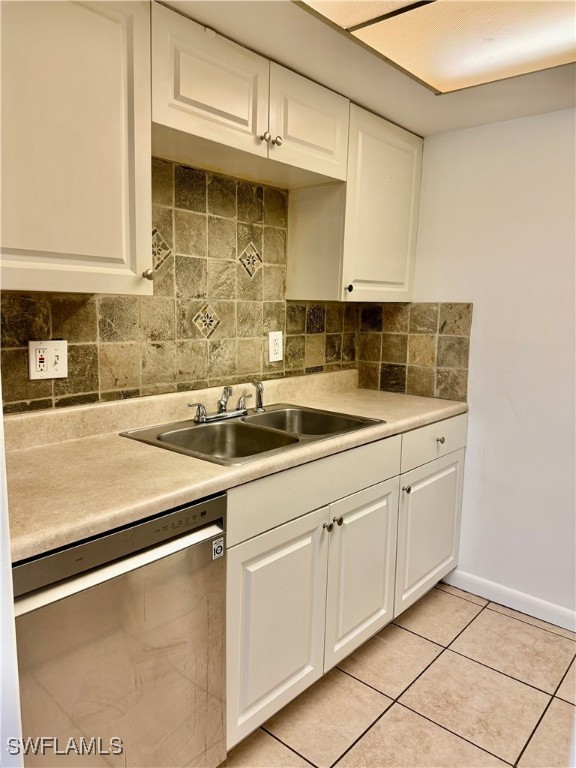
[217,548]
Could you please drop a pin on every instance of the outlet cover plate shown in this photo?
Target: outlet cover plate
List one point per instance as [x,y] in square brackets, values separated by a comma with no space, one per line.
[48,359]
[275,351]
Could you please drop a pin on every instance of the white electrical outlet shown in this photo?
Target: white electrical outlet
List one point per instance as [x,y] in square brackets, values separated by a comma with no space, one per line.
[275,351]
[48,359]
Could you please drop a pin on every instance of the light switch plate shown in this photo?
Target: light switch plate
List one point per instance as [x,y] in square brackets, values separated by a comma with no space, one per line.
[48,359]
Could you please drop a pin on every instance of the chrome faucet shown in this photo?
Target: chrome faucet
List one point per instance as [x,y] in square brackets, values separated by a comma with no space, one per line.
[202,417]
[223,402]
[259,396]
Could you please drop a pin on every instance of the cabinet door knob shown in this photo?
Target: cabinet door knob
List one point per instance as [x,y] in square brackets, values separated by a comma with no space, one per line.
[329,527]
[338,520]
[407,488]
[277,141]
[266,136]
[148,274]
[441,440]
[349,288]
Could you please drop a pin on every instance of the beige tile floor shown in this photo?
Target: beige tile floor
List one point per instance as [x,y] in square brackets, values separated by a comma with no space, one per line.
[455,682]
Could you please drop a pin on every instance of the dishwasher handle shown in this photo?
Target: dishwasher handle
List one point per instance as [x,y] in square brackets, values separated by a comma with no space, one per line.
[67,588]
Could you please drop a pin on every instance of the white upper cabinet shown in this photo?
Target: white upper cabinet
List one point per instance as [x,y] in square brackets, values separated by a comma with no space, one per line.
[357,242]
[382,196]
[76,199]
[309,121]
[206,86]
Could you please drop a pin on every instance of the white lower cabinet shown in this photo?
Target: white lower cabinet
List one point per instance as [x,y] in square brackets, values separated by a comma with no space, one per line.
[303,596]
[432,468]
[322,556]
[361,565]
[428,527]
[276,600]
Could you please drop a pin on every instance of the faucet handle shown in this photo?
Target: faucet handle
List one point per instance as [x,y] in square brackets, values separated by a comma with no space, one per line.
[200,417]
[242,402]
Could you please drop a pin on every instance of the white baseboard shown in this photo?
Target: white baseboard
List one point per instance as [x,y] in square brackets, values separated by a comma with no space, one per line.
[511,598]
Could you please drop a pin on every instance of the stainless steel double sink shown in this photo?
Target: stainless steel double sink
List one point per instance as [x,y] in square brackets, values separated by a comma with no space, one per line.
[253,436]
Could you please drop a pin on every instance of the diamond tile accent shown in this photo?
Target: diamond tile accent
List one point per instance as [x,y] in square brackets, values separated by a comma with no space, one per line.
[206,320]
[160,249]
[251,259]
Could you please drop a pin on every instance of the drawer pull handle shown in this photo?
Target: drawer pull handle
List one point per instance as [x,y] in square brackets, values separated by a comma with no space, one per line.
[277,141]
[266,136]
[407,488]
[338,520]
[148,274]
[329,527]
[441,440]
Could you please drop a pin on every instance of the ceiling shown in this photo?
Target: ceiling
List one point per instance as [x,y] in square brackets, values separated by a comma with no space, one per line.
[310,44]
[453,44]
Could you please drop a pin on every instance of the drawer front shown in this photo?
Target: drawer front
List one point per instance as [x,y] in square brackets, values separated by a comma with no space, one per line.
[266,503]
[435,440]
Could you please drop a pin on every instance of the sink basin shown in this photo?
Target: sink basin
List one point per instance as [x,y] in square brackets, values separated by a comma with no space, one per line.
[306,421]
[226,440]
[250,437]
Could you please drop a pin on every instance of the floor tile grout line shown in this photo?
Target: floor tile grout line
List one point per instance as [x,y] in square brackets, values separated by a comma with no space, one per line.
[546,708]
[466,627]
[393,623]
[454,733]
[555,694]
[288,746]
[445,648]
[498,671]
[364,732]
[522,621]
[396,700]
[446,592]
[529,739]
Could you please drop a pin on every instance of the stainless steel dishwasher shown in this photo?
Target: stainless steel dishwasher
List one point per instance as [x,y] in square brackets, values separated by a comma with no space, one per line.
[121,645]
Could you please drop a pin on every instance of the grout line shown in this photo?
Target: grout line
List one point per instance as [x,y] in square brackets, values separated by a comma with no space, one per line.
[459,735]
[510,677]
[361,736]
[466,627]
[446,592]
[522,621]
[546,708]
[287,746]
[422,637]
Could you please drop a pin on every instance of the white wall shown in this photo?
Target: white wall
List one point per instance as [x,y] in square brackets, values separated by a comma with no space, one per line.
[497,227]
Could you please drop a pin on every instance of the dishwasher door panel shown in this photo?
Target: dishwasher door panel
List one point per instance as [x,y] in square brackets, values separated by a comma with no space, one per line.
[139,657]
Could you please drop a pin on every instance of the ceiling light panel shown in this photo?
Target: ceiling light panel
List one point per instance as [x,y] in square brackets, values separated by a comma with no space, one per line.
[348,14]
[452,45]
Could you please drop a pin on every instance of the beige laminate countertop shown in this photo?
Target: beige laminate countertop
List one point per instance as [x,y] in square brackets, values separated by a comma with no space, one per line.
[61,491]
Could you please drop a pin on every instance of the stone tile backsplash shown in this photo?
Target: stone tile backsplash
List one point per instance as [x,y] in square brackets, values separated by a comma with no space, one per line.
[219,248]
[418,349]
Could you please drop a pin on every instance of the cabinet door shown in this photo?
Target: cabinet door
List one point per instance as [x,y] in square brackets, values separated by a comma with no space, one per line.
[361,568]
[428,527]
[76,212]
[276,599]
[311,121]
[384,165]
[206,85]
